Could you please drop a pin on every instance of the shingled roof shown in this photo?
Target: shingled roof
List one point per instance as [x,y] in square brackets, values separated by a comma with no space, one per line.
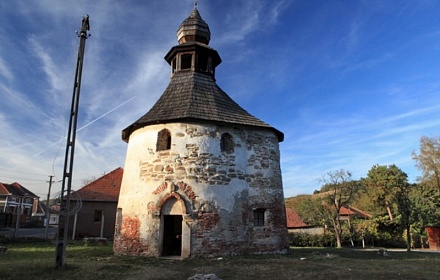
[193,96]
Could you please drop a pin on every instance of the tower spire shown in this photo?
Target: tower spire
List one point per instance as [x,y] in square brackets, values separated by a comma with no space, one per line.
[194,29]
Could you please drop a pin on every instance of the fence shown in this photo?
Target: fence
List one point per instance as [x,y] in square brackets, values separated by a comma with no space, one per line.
[5,220]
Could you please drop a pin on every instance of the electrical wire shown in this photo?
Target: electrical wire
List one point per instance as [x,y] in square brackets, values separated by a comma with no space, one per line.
[27,173]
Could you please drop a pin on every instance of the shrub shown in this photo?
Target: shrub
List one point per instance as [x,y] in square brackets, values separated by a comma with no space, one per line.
[311,240]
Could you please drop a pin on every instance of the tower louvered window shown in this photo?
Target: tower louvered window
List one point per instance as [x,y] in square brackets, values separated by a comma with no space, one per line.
[186,61]
[202,63]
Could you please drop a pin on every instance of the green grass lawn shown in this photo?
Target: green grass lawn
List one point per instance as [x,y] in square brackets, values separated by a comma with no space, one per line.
[36,260]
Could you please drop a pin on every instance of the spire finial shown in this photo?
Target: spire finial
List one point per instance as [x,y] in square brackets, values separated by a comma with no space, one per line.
[195,5]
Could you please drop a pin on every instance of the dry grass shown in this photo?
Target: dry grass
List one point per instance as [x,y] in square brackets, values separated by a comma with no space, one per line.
[35,260]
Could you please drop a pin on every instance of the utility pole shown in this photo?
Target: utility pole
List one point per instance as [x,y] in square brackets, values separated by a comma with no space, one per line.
[63,224]
[19,209]
[48,207]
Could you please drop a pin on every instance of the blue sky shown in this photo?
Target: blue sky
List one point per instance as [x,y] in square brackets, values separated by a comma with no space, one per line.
[350,83]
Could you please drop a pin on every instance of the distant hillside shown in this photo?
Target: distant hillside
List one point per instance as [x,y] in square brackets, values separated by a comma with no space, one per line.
[294,201]
[360,200]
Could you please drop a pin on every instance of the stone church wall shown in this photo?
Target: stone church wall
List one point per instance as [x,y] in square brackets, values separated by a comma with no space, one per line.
[215,191]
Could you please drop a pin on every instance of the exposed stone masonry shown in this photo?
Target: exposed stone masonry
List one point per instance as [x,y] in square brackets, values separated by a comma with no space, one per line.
[213,169]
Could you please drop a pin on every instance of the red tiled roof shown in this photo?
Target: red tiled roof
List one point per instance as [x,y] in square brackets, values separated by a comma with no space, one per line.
[293,220]
[15,189]
[105,188]
[352,211]
[345,211]
[3,190]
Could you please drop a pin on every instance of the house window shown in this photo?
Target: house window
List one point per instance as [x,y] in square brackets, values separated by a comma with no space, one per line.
[185,61]
[227,143]
[97,216]
[259,217]
[163,140]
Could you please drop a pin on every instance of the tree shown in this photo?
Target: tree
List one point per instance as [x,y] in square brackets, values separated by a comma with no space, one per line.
[426,205]
[389,187]
[86,181]
[382,184]
[405,206]
[428,161]
[341,189]
[310,210]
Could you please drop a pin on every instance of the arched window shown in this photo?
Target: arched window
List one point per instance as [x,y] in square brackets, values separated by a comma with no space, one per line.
[227,143]
[163,140]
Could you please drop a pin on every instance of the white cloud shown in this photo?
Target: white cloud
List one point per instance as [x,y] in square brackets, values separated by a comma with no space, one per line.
[4,70]
[246,17]
[54,74]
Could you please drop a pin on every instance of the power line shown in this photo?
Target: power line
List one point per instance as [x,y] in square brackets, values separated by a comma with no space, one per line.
[21,172]
[21,179]
[84,126]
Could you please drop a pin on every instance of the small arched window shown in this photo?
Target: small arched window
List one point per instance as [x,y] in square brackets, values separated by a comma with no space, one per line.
[163,140]
[227,143]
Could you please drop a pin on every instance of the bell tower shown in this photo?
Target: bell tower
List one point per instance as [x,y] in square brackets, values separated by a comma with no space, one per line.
[193,52]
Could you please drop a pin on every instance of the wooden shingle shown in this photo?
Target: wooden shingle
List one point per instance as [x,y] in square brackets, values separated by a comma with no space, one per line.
[192,96]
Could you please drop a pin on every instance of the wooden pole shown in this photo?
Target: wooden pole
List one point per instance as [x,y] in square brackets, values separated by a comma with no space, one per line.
[48,207]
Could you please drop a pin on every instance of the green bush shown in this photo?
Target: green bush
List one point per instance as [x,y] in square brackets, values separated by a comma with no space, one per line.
[311,240]
[328,240]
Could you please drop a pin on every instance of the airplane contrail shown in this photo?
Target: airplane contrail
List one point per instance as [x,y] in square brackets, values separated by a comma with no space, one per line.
[105,114]
[84,126]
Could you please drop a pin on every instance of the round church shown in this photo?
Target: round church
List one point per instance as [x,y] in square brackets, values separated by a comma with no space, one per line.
[202,176]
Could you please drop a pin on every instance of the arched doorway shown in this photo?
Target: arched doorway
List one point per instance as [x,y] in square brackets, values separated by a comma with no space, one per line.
[171,218]
[172,235]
